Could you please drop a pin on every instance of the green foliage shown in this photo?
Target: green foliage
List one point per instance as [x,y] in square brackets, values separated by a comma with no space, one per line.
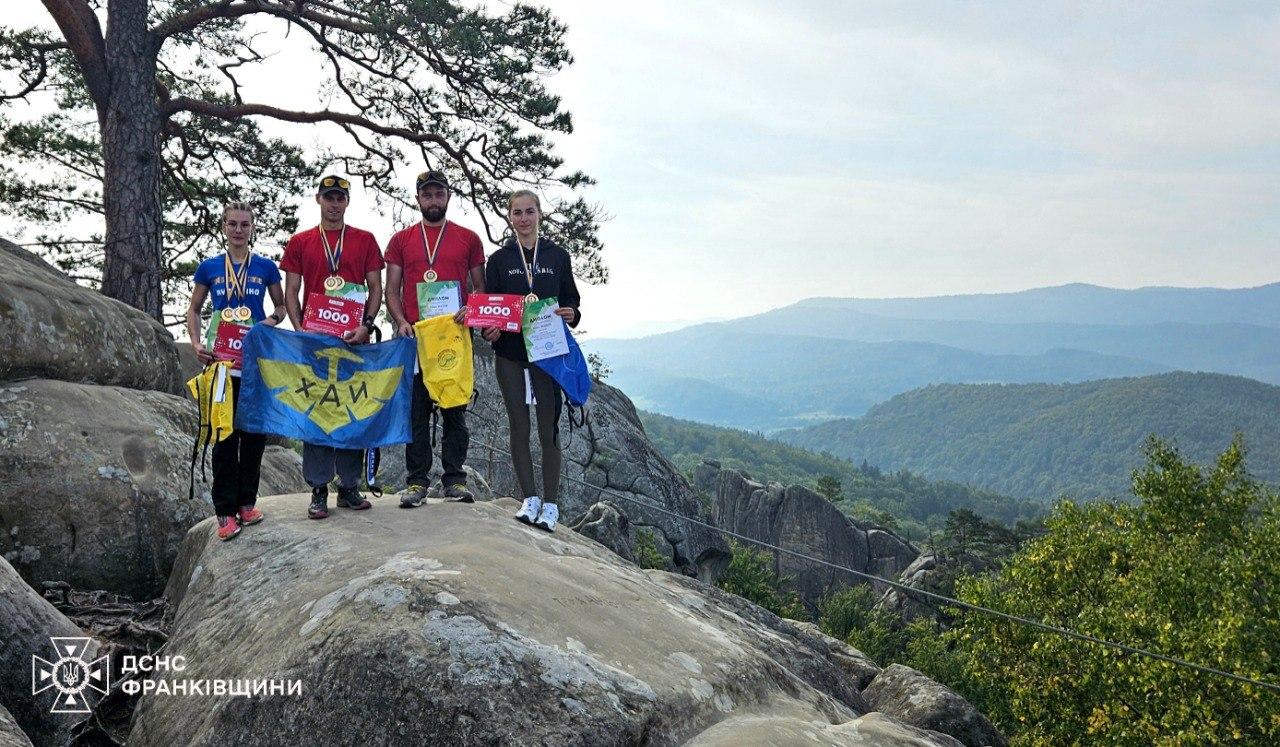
[850,615]
[899,499]
[404,84]
[1044,441]
[600,370]
[751,575]
[829,487]
[1192,570]
[646,550]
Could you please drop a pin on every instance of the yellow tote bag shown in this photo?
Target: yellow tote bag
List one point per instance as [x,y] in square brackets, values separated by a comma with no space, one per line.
[444,355]
[212,390]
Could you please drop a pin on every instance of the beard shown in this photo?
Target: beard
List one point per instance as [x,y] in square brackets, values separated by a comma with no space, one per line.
[433,214]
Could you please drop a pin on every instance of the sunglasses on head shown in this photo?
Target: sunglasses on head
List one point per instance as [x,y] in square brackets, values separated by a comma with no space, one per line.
[329,181]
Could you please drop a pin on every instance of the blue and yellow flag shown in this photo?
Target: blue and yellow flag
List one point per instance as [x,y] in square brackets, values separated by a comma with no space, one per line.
[321,391]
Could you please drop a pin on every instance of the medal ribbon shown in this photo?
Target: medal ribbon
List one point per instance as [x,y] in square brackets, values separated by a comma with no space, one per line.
[529,269]
[332,254]
[237,282]
[431,251]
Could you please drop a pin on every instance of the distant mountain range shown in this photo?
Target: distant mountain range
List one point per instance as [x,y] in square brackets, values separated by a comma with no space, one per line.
[1044,441]
[831,357]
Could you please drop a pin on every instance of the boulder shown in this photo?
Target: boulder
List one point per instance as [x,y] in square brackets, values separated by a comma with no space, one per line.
[858,666]
[606,525]
[932,573]
[908,695]
[871,730]
[799,519]
[11,735]
[611,451]
[27,622]
[55,329]
[94,483]
[455,624]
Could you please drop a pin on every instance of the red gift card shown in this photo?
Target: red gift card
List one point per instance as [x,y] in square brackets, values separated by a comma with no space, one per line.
[331,315]
[228,343]
[498,310]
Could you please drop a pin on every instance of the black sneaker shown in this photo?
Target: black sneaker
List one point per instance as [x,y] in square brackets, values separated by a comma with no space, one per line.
[351,498]
[319,508]
[413,496]
[458,493]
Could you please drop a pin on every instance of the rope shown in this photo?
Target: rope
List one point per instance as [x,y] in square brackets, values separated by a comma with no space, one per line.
[1275,687]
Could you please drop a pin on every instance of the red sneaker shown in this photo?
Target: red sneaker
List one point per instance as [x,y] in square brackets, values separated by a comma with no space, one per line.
[227,527]
[249,515]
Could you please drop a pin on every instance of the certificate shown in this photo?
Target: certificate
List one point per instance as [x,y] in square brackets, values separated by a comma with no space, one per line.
[544,332]
[440,297]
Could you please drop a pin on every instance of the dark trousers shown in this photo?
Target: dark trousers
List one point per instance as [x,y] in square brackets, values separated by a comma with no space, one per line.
[453,441]
[319,463]
[237,465]
[510,376]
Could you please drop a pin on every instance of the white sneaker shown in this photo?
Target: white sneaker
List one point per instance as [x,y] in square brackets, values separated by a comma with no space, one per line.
[548,517]
[528,512]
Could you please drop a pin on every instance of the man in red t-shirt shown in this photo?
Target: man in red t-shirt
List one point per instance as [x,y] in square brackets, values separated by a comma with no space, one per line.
[310,258]
[433,251]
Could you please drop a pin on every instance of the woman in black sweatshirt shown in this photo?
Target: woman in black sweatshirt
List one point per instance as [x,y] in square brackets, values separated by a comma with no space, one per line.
[528,265]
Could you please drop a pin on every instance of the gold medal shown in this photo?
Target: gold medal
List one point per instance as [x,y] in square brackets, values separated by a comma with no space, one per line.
[228,315]
[431,251]
[530,269]
[334,282]
[430,276]
[531,298]
[243,314]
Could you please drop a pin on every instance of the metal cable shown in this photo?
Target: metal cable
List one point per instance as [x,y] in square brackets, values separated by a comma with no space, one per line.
[1275,687]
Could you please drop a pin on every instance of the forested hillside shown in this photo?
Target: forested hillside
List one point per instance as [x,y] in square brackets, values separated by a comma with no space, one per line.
[900,497]
[1048,440]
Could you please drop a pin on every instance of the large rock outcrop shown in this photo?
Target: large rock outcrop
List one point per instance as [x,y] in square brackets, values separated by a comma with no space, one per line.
[908,695]
[11,735]
[871,730]
[799,519]
[612,452]
[55,329]
[27,622]
[454,624]
[94,483]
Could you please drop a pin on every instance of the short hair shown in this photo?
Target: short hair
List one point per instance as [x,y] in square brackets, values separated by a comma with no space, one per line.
[524,193]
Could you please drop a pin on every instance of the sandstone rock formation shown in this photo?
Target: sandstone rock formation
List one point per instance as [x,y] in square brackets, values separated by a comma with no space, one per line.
[608,526]
[871,730]
[94,483]
[11,735]
[27,622]
[932,573]
[915,699]
[454,624]
[613,452]
[55,329]
[801,520]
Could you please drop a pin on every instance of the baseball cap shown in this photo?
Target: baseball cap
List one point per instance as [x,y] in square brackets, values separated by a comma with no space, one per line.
[431,177]
[333,183]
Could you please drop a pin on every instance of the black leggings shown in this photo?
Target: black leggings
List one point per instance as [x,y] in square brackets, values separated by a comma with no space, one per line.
[237,466]
[510,376]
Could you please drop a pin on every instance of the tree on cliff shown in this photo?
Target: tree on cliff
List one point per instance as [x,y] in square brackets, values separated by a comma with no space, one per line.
[154,123]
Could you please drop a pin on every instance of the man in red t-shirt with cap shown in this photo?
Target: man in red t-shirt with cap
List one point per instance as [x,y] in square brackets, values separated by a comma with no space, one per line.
[327,258]
[428,267]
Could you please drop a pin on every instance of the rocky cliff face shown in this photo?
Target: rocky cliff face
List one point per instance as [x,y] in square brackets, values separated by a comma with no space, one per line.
[611,451]
[94,446]
[799,519]
[454,624]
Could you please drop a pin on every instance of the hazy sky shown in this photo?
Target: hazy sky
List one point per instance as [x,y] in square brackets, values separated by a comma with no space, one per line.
[754,153]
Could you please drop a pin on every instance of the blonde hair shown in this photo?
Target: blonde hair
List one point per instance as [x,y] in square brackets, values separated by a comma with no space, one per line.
[524,193]
[238,205]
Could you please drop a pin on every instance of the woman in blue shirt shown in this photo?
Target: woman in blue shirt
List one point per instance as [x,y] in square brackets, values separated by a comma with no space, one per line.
[236,282]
